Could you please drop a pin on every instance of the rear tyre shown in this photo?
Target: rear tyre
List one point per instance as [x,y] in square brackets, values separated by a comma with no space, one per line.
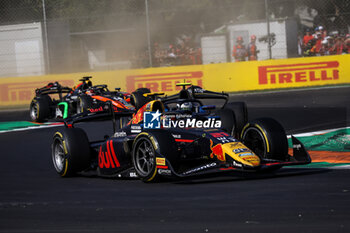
[70,152]
[138,99]
[84,103]
[40,108]
[143,90]
[241,116]
[266,138]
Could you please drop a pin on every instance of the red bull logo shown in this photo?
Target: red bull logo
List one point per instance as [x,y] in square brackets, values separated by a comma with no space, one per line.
[100,109]
[108,158]
[217,151]
[138,117]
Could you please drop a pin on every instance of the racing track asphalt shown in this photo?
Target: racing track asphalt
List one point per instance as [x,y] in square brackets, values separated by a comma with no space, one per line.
[34,199]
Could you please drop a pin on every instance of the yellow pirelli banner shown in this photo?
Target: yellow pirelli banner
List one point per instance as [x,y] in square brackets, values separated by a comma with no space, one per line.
[228,77]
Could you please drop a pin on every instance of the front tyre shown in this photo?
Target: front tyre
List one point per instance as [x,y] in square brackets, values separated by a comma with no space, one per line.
[138,99]
[144,159]
[146,147]
[70,152]
[266,138]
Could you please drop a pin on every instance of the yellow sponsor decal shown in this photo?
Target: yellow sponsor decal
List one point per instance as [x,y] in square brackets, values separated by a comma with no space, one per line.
[160,161]
[235,145]
[254,160]
[240,153]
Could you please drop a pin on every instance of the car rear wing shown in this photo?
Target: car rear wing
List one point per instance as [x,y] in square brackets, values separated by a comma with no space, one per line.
[212,95]
[196,92]
[53,88]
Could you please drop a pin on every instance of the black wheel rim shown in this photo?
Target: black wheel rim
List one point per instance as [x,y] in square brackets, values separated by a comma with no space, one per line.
[254,140]
[144,157]
[58,155]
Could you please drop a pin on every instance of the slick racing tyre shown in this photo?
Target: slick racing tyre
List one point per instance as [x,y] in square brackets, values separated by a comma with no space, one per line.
[266,138]
[241,116]
[143,90]
[146,147]
[138,99]
[70,152]
[40,108]
[84,103]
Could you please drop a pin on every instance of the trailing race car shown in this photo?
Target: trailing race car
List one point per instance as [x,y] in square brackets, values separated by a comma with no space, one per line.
[173,145]
[42,106]
[85,97]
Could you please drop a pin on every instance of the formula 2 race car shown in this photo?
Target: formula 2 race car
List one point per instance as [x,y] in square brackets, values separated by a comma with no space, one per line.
[84,97]
[151,149]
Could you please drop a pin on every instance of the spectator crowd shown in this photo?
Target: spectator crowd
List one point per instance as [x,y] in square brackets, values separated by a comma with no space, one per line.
[183,52]
[317,42]
[320,43]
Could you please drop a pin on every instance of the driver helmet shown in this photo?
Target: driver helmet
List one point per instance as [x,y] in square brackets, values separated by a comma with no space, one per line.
[90,92]
[187,106]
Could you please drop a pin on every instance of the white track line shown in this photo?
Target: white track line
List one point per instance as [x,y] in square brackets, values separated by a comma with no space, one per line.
[340,167]
[317,132]
[30,128]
